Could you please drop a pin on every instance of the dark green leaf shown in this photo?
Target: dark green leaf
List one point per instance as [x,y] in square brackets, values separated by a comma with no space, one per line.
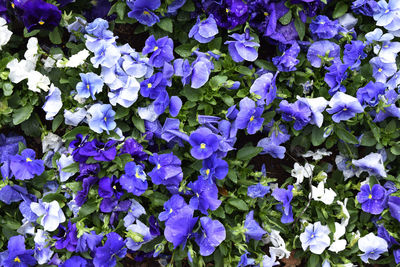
[73,168]
[300,27]
[287,18]
[55,36]
[139,124]
[248,152]
[166,24]
[317,136]
[340,9]
[238,203]
[22,114]
[345,135]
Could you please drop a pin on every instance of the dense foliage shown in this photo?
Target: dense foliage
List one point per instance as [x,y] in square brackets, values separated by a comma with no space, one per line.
[196,132]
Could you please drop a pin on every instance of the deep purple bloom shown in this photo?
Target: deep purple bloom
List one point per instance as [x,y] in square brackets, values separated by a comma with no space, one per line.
[99,151]
[213,233]
[88,241]
[175,105]
[172,207]
[382,70]
[167,170]
[253,229]
[272,145]
[285,196]
[110,190]
[321,49]
[205,196]
[132,147]
[391,110]
[204,31]
[297,111]
[38,14]
[372,200]
[14,193]
[323,28]
[204,143]
[214,168]
[66,237]
[76,145]
[9,146]
[336,75]
[106,255]
[288,60]
[245,260]
[162,50]
[179,227]
[227,13]
[257,190]
[142,11]
[344,106]
[369,94]
[394,207]
[134,180]
[249,116]
[242,48]
[25,166]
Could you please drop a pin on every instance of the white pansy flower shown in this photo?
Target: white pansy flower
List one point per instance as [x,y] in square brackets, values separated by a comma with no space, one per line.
[31,53]
[5,33]
[19,70]
[148,113]
[279,246]
[317,155]
[320,193]
[338,244]
[299,172]
[345,220]
[37,81]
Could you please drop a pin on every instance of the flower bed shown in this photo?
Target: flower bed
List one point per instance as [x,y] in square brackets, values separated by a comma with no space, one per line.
[199,133]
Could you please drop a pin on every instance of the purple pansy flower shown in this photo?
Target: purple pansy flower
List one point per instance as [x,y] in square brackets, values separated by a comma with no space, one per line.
[372,200]
[167,170]
[161,49]
[336,75]
[372,163]
[298,111]
[227,13]
[172,207]
[249,116]
[344,106]
[353,53]
[285,196]
[134,180]
[179,227]
[142,11]
[38,14]
[213,233]
[257,190]
[205,196]
[252,229]
[321,49]
[25,166]
[315,236]
[369,94]
[214,168]
[324,28]
[288,60]
[102,118]
[67,237]
[382,70]
[17,255]
[90,85]
[204,31]
[394,207]
[242,48]
[106,255]
[204,143]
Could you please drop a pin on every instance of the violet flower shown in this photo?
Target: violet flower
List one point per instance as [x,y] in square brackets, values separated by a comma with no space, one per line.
[344,106]
[38,14]
[205,196]
[249,116]
[394,207]
[252,229]
[25,166]
[102,118]
[372,163]
[321,49]
[213,233]
[179,227]
[17,255]
[214,168]
[142,11]
[242,48]
[369,94]
[372,200]
[288,60]
[285,196]
[113,247]
[161,49]
[90,85]
[297,111]
[167,170]
[324,28]
[204,143]
[172,207]
[204,31]
[257,190]
[134,179]
[316,237]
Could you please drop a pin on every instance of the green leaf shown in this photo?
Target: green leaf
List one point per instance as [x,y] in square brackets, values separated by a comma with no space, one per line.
[244,70]
[166,25]
[317,136]
[120,9]
[340,9]
[22,114]
[345,135]
[300,27]
[88,208]
[73,168]
[238,203]
[7,89]
[313,261]
[248,152]
[395,150]
[368,139]
[287,18]
[57,122]
[55,36]
[184,50]
[54,196]
[261,63]
[77,130]
[139,124]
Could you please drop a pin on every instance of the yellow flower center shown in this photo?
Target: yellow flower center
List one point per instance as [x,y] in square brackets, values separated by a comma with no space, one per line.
[41,22]
[12,5]
[252,118]
[155,48]
[105,118]
[370,196]
[312,236]
[380,69]
[28,160]
[137,175]
[158,166]
[17,259]
[170,210]
[386,11]
[227,10]
[208,171]
[88,86]
[344,109]
[149,85]
[202,146]
[266,14]
[146,12]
